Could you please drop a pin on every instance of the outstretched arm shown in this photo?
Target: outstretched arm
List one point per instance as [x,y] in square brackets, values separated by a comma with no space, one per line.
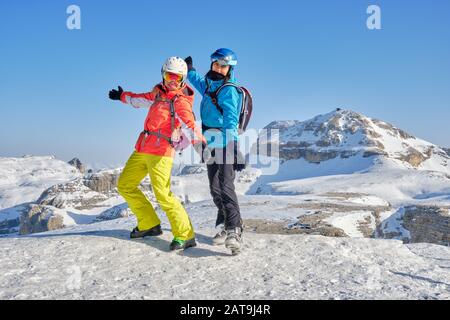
[138,100]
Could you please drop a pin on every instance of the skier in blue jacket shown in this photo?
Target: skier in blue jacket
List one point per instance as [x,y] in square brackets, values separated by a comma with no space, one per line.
[220,119]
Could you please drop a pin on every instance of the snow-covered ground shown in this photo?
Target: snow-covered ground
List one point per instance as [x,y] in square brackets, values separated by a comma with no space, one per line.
[387,179]
[98,261]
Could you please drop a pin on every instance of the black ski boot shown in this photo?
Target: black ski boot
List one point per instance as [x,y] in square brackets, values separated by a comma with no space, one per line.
[182,244]
[153,232]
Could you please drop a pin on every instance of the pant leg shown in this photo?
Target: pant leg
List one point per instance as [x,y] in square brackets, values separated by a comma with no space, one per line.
[160,169]
[215,190]
[135,170]
[229,198]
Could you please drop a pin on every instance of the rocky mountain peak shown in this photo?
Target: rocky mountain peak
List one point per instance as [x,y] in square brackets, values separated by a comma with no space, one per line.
[78,164]
[345,133]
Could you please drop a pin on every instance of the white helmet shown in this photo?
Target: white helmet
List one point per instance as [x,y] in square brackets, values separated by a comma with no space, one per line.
[175,65]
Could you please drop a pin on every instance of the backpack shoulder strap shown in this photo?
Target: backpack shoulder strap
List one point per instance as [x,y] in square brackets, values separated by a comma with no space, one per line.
[215,94]
[172,113]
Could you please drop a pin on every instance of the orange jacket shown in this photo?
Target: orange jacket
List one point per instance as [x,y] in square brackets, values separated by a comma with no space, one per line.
[159,118]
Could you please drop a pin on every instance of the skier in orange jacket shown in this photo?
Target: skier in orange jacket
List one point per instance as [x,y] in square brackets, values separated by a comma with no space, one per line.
[170,104]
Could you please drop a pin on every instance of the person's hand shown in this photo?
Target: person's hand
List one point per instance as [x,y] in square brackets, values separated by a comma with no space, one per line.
[116,94]
[203,151]
[190,63]
[239,161]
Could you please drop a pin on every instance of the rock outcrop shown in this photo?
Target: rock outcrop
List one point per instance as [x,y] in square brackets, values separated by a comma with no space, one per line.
[116,212]
[428,224]
[103,181]
[40,218]
[77,164]
[72,194]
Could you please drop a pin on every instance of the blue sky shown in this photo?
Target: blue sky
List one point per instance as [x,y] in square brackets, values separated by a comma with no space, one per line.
[299,58]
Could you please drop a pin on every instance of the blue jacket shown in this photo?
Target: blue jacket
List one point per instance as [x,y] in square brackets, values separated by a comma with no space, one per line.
[229,99]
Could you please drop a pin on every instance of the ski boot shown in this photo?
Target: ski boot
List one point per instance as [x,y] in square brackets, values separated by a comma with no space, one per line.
[234,240]
[153,232]
[178,244]
[219,238]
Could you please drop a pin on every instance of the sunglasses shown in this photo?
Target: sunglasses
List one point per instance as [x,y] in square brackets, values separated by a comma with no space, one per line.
[168,76]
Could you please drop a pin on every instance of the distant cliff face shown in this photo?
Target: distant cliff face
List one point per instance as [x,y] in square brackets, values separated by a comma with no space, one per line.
[77,164]
[103,181]
[345,133]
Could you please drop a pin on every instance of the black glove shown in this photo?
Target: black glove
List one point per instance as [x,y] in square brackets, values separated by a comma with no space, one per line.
[190,63]
[116,94]
[233,152]
[203,151]
[239,159]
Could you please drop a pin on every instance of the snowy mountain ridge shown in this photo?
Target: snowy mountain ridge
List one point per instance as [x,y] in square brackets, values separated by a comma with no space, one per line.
[346,133]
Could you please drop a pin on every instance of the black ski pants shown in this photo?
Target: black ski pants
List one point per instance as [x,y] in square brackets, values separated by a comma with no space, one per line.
[221,184]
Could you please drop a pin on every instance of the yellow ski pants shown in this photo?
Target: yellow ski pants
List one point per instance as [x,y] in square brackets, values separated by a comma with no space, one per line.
[159,168]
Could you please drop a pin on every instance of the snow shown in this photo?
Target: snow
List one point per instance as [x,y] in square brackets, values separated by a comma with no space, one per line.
[98,261]
[387,180]
[24,179]
[349,222]
[392,223]
[301,169]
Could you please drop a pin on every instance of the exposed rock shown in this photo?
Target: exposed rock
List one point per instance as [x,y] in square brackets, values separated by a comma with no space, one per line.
[447,151]
[10,218]
[317,157]
[77,164]
[9,226]
[393,130]
[116,212]
[371,133]
[297,152]
[414,157]
[72,194]
[337,207]
[366,226]
[428,224]
[347,154]
[374,152]
[279,227]
[40,218]
[192,169]
[103,181]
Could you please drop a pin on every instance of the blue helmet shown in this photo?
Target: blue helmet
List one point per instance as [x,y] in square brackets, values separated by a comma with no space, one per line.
[225,57]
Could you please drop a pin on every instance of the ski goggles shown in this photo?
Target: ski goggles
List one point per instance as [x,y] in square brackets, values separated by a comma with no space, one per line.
[225,61]
[169,76]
